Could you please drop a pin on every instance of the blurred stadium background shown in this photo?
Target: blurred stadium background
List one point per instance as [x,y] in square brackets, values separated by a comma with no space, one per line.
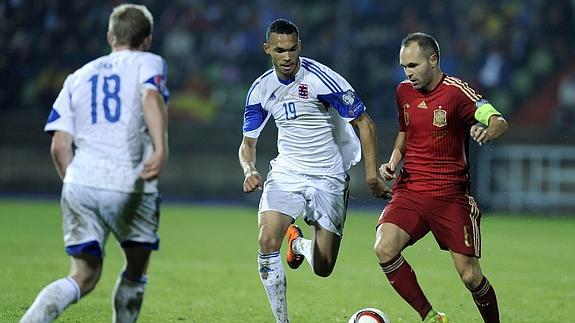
[518,53]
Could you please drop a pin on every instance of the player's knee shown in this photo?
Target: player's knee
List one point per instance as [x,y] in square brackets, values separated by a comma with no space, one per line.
[86,282]
[269,243]
[470,276]
[389,242]
[384,251]
[323,270]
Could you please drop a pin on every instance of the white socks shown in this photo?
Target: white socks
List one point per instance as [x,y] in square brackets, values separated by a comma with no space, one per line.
[52,300]
[273,278]
[304,247]
[128,297]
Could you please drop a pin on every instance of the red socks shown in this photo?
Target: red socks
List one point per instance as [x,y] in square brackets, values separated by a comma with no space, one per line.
[486,301]
[403,280]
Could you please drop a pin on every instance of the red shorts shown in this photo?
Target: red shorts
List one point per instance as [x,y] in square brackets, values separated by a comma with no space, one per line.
[454,220]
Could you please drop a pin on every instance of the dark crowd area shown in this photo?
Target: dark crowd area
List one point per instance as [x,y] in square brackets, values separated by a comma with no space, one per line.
[507,50]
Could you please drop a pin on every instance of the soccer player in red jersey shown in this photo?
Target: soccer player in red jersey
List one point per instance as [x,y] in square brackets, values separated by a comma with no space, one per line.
[437,115]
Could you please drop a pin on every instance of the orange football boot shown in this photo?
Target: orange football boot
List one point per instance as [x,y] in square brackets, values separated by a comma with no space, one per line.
[293,260]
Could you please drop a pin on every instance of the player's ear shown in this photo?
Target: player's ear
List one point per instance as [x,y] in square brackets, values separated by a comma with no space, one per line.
[267,48]
[147,43]
[110,39]
[433,60]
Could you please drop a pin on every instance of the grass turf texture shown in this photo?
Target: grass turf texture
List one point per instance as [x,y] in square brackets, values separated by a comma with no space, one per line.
[205,270]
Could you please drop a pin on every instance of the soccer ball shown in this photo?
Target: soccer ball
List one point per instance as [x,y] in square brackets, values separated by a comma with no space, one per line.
[369,315]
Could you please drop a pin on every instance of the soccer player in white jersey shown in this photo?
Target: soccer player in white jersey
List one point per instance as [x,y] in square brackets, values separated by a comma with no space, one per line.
[313,108]
[113,111]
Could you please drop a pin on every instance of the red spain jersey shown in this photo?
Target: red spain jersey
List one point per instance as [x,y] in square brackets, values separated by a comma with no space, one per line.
[437,125]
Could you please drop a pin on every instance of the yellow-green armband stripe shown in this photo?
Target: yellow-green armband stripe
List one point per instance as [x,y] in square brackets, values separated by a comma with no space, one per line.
[484,112]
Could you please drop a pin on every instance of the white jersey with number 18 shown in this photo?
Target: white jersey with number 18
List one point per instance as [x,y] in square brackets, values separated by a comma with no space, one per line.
[100,105]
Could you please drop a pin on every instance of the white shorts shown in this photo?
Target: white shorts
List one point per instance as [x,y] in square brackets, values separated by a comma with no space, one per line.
[321,199]
[90,214]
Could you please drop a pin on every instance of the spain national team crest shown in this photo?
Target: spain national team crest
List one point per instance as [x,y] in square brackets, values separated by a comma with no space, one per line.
[303,91]
[440,117]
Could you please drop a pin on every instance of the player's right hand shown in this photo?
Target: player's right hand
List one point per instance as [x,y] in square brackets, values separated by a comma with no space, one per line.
[252,182]
[153,166]
[387,171]
[379,189]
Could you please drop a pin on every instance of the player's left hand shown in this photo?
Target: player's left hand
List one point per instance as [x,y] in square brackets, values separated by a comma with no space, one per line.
[153,166]
[379,189]
[480,134]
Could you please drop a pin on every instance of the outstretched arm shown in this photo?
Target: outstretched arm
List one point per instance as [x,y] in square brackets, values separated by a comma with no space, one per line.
[368,137]
[61,151]
[156,118]
[247,157]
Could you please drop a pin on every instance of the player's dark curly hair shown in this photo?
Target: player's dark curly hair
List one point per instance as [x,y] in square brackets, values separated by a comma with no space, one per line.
[426,42]
[282,26]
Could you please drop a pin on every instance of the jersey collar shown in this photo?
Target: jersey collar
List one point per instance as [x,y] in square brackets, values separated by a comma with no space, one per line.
[292,79]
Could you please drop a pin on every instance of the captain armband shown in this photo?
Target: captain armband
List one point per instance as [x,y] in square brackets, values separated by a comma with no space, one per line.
[484,112]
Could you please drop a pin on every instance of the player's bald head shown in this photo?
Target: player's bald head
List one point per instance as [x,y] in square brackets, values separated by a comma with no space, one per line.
[426,43]
[281,26]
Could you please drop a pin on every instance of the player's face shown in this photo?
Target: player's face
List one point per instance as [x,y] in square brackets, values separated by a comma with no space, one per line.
[418,68]
[284,50]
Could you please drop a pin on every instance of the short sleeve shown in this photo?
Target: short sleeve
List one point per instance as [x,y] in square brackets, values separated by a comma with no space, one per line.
[468,100]
[334,91]
[467,110]
[402,115]
[154,74]
[255,117]
[61,117]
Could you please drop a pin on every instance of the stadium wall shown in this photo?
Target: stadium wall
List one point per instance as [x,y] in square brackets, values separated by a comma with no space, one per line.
[203,165]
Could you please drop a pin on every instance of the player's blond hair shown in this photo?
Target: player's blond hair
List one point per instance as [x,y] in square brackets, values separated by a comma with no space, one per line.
[130,24]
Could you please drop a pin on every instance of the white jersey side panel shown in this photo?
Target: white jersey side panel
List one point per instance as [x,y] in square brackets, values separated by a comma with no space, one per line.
[312,113]
[100,105]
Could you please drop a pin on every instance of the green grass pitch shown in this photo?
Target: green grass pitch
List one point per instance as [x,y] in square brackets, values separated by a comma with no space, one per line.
[206,271]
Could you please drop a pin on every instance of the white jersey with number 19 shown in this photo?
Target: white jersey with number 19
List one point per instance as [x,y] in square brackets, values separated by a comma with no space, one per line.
[100,105]
[312,112]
